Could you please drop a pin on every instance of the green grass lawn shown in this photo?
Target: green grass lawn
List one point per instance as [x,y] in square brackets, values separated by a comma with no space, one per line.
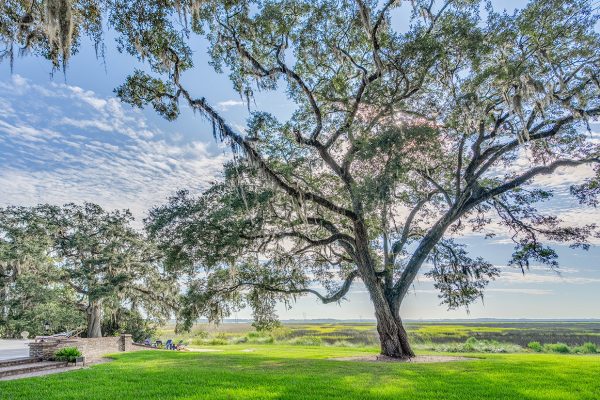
[294,372]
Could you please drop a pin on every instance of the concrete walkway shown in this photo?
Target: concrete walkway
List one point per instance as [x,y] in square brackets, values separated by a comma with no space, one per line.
[13,348]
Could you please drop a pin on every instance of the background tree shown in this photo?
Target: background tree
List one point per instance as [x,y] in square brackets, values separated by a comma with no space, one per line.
[28,295]
[96,260]
[402,137]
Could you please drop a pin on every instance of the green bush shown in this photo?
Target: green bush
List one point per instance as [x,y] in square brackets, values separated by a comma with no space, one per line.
[586,348]
[67,354]
[281,333]
[200,333]
[239,339]
[306,341]
[260,339]
[472,345]
[535,346]
[216,341]
[556,348]
[343,343]
[198,341]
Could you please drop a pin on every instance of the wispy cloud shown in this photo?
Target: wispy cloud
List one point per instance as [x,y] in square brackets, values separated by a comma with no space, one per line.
[68,144]
[529,277]
[536,274]
[227,104]
[525,291]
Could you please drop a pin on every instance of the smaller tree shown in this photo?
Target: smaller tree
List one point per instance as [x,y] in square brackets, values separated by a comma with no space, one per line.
[95,254]
[35,300]
[24,270]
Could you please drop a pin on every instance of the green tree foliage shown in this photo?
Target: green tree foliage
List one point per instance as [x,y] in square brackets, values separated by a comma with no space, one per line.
[401,139]
[83,261]
[32,302]
[49,28]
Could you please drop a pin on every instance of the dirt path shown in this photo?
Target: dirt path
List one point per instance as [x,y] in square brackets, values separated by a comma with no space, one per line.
[415,360]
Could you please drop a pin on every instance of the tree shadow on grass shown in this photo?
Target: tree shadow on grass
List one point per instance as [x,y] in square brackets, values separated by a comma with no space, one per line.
[187,376]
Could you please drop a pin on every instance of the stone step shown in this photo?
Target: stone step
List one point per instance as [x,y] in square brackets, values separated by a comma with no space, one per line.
[18,361]
[27,368]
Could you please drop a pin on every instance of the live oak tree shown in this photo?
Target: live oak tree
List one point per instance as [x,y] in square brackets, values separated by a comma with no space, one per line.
[28,295]
[399,141]
[401,138]
[94,258]
[32,301]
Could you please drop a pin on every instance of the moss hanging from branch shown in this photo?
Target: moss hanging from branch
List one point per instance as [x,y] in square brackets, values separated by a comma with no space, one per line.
[58,27]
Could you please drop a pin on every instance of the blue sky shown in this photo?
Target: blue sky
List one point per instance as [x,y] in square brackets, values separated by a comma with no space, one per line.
[68,139]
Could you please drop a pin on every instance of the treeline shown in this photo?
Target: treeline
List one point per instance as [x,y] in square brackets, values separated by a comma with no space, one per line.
[80,268]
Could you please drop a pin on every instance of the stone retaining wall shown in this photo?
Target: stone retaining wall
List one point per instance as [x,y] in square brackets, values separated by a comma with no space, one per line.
[45,347]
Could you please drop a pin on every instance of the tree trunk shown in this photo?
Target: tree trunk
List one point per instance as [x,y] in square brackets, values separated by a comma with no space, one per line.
[393,337]
[94,320]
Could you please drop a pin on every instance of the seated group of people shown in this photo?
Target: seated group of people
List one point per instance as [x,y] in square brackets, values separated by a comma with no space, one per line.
[168,345]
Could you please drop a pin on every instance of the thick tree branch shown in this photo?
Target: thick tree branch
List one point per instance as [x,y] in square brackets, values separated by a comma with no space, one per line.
[523,178]
[399,245]
[337,296]
[254,156]
[492,154]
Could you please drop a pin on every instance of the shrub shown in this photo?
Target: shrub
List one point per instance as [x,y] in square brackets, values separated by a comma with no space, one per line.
[198,341]
[239,339]
[535,346]
[306,341]
[67,354]
[586,348]
[255,334]
[260,339]
[472,345]
[281,333]
[556,348]
[343,343]
[217,341]
[201,334]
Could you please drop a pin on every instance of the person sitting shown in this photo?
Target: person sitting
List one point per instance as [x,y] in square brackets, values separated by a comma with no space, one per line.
[147,342]
[169,345]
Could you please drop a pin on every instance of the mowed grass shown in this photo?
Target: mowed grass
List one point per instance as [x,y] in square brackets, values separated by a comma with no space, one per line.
[294,372]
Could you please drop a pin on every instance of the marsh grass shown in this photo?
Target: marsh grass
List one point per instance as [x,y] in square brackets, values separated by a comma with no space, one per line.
[483,337]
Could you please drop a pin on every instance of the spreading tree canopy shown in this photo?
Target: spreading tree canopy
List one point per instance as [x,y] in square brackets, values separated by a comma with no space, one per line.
[401,138]
[29,297]
[90,259]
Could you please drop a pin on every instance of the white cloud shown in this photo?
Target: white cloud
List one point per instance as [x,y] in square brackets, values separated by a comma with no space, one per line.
[227,104]
[70,145]
[536,274]
[527,291]
[514,277]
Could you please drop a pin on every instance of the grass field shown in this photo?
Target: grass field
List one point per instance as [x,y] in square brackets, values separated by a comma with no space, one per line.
[296,372]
